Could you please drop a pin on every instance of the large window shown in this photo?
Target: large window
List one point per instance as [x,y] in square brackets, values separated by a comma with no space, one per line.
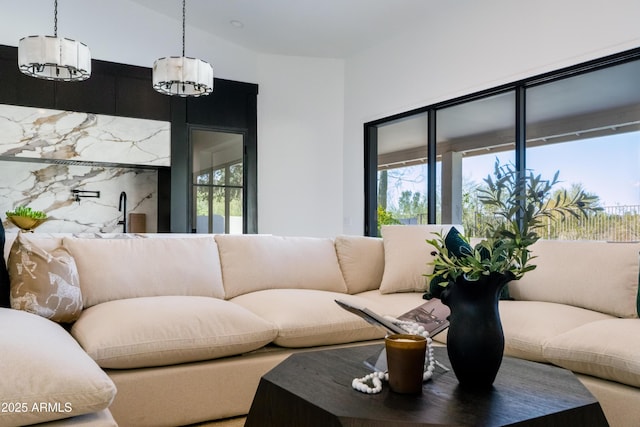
[402,171]
[588,128]
[470,137]
[583,122]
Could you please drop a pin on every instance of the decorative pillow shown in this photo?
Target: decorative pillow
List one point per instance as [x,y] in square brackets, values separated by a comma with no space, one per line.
[44,283]
[407,256]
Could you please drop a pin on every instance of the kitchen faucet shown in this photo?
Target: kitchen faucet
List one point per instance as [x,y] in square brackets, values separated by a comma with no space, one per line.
[122,207]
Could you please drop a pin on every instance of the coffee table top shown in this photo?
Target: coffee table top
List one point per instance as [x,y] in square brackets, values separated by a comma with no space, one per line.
[314,389]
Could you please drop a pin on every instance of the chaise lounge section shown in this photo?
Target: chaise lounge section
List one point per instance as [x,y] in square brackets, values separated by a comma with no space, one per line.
[184,326]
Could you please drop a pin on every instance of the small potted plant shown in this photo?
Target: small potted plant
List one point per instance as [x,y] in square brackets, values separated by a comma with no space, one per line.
[469,279]
[26,218]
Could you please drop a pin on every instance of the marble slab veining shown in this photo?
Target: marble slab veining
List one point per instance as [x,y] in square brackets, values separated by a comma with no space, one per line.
[47,187]
[64,135]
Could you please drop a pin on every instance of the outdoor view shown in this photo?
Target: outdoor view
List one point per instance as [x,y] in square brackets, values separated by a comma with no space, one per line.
[217,182]
[606,167]
[585,126]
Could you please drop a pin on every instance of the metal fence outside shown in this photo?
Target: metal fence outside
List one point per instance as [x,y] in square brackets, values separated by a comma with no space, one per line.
[613,223]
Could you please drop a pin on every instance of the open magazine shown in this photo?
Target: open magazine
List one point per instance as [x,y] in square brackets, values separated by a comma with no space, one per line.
[432,315]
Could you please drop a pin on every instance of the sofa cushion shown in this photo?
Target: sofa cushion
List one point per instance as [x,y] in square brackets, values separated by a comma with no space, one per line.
[528,325]
[168,330]
[361,261]
[407,256]
[307,318]
[42,364]
[598,276]
[44,282]
[605,349]
[253,263]
[113,269]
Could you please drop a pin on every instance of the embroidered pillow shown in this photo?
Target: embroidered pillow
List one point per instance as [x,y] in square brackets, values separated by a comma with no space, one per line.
[44,283]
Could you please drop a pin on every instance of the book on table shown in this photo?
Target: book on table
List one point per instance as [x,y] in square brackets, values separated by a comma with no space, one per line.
[432,315]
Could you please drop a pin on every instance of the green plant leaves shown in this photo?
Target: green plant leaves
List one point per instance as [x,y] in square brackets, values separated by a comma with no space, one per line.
[524,203]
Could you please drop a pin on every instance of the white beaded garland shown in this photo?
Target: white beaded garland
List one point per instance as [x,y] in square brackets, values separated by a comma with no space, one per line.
[372,383]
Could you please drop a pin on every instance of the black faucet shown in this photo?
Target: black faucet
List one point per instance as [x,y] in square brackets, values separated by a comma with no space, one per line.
[122,207]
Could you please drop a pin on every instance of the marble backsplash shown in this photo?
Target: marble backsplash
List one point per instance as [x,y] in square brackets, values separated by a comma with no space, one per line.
[46,154]
[48,187]
[28,132]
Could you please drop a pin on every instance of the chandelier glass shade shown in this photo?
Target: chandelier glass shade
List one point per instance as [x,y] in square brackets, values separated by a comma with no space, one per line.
[181,75]
[53,57]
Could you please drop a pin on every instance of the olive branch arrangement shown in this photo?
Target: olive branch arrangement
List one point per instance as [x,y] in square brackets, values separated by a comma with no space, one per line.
[522,204]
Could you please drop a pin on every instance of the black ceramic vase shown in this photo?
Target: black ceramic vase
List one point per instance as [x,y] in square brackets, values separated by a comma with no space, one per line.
[475,340]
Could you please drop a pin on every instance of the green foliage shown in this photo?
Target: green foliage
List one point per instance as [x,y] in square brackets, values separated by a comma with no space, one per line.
[385,218]
[522,204]
[27,213]
[411,204]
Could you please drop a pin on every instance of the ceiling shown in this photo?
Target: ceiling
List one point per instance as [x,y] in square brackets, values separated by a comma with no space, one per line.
[313,28]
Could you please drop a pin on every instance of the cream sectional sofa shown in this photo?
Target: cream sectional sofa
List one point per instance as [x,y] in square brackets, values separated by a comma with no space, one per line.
[184,326]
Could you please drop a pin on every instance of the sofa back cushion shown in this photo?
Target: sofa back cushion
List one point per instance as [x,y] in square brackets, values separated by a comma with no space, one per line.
[361,261]
[407,256]
[599,276]
[111,269]
[257,262]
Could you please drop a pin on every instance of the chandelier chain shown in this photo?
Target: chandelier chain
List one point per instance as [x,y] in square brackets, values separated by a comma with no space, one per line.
[183,23]
[55,18]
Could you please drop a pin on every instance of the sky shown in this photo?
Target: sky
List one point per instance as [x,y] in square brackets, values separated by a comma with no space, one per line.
[606,166]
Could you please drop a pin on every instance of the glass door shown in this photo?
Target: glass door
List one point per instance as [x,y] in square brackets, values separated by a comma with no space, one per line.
[218,183]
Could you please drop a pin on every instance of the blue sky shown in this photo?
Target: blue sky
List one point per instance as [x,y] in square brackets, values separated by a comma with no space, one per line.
[607,166]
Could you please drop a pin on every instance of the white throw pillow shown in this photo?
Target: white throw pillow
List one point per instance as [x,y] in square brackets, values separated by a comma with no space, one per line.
[407,256]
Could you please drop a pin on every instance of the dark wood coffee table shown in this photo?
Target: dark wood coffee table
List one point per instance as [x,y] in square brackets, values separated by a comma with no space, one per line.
[314,389]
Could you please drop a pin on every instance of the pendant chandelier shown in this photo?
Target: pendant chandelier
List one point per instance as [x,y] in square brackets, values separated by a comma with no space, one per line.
[182,76]
[53,57]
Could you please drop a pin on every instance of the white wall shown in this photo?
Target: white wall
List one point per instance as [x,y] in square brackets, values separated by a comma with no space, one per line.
[468,46]
[300,131]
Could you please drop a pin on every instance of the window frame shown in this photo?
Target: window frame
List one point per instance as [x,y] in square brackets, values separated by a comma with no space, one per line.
[520,121]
